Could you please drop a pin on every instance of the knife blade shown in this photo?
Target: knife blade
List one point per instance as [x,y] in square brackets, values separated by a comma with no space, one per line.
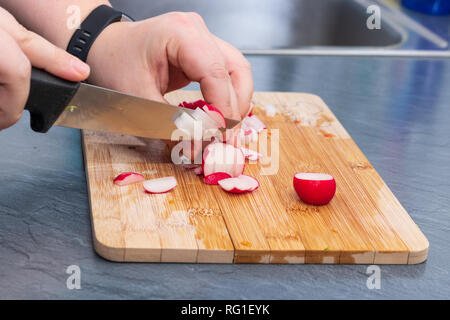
[54,101]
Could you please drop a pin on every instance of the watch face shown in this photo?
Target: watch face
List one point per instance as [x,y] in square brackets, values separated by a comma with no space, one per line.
[126,18]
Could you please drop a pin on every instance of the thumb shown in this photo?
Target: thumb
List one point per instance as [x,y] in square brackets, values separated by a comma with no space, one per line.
[43,54]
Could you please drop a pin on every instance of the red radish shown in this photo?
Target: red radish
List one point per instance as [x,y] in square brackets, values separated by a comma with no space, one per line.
[207,121]
[160,185]
[251,154]
[254,123]
[185,122]
[248,135]
[215,114]
[192,105]
[252,182]
[315,188]
[214,178]
[241,184]
[250,112]
[127,178]
[210,110]
[198,171]
[222,157]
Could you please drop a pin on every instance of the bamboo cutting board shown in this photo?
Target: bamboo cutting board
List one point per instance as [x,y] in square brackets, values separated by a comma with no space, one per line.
[364,223]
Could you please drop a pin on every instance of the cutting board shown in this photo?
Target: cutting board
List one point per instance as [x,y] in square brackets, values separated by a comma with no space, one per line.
[198,223]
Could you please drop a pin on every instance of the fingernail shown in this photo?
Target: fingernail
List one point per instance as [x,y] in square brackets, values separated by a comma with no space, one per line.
[81,67]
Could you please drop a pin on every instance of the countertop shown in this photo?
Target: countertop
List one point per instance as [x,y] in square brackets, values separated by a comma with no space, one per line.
[396,110]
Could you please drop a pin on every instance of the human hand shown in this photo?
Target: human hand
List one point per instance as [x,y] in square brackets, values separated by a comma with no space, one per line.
[20,49]
[161,54]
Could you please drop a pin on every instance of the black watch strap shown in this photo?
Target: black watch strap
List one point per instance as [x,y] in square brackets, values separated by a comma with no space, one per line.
[92,26]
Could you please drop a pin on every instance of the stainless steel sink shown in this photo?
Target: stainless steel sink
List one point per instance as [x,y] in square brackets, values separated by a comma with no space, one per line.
[316,27]
[275,24]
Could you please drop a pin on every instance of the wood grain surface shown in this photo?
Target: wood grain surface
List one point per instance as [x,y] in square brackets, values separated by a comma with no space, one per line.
[364,223]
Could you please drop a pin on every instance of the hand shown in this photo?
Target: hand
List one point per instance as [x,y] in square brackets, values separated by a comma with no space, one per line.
[158,55]
[20,49]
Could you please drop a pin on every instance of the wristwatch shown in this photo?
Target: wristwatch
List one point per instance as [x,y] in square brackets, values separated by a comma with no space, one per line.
[90,29]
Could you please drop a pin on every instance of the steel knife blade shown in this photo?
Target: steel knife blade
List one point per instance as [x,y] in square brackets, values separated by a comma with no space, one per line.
[85,106]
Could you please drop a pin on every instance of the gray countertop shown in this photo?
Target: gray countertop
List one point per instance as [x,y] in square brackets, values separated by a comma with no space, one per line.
[396,110]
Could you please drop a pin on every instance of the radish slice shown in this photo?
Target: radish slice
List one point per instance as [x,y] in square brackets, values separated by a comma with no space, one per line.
[215,114]
[207,121]
[253,122]
[222,157]
[160,185]
[241,184]
[252,182]
[251,154]
[198,171]
[315,188]
[248,135]
[127,178]
[214,178]
[250,111]
[185,122]
[210,110]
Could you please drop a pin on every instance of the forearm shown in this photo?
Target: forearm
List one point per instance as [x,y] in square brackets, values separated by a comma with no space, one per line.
[49,18]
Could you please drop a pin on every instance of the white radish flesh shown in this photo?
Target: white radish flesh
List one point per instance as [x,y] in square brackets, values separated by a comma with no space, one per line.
[222,157]
[251,154]
[215,115]
[127,178]
[241,184]
[160,185]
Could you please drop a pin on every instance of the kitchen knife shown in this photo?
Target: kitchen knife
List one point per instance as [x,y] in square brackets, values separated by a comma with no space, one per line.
[54,101]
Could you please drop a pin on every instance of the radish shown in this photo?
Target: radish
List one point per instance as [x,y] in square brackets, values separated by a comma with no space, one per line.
[315,188]
[222,157]
[253,122]
[250,111]
[160,185]
[210,110]
[207,121]
[215,114]
[185,122]
[214,178]
[192,105]
[248,135]
[127,178]
[241,184]
[251,154]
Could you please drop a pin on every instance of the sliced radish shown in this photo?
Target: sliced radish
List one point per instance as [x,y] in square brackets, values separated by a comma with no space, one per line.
[251,154]
[222,157]
[185,122]
[207,121]
[248,135]
[253,122]
[215,114]
[252,182]
[198,171]
[214,178]
[127,178]
[315,188]
[241,184]
[192,105]
[250,111]
[160,185]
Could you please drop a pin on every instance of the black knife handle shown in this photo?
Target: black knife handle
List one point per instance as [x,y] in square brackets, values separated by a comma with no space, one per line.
[49,96]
